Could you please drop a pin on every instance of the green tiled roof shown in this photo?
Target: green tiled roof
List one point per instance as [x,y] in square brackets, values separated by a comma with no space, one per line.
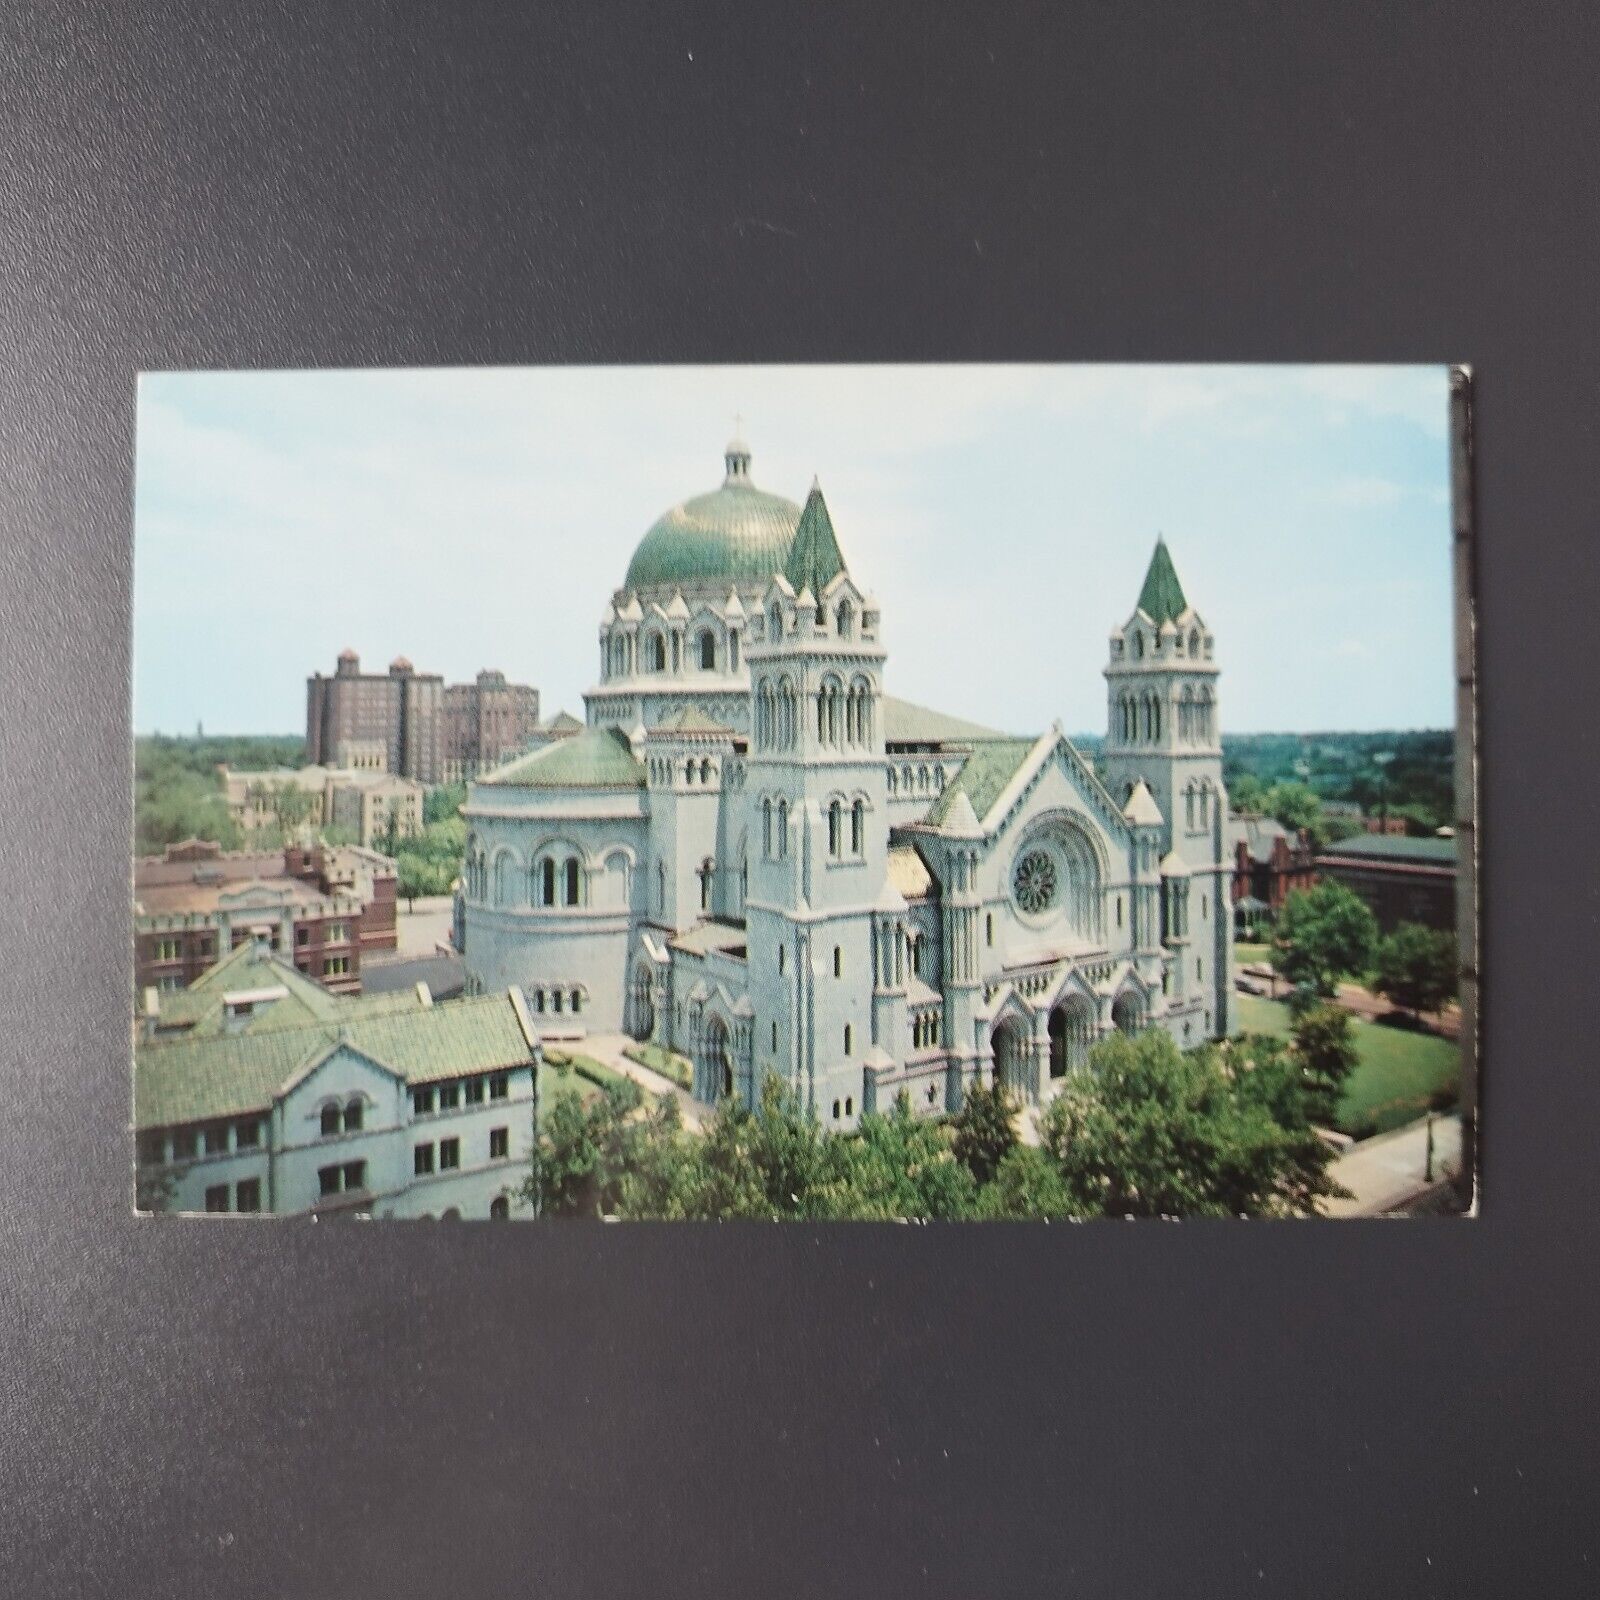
[905,723]
[814,559]
[597,758]
[229,1075]
[983,775]
[1162,599]
[1392,847]
[737,533]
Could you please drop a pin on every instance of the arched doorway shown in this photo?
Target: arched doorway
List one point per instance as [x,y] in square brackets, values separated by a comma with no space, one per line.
[1128,1012]
[1010,1045]
[1071,1034]
[719,1060]
[641,1007]
[499,1209]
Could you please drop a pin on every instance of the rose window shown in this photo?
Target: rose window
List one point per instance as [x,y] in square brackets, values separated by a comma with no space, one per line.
[1034,882]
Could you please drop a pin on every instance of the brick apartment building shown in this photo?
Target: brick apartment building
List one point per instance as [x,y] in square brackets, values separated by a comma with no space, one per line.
[426,730]
[322,908]
[1269,863]
[486,723]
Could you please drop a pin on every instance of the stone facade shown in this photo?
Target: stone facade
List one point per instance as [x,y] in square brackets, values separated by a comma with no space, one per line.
[756,856]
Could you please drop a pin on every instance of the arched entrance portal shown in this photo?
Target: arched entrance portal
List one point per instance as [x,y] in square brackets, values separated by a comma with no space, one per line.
[1128,1013]
[719,1059]
[641,1008]
[1071,1034]
[1010,1045]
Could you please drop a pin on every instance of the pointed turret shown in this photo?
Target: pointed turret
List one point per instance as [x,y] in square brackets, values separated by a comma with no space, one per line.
[815,559]
[1162,598]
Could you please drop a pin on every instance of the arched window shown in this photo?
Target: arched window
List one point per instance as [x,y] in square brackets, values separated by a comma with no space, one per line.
[1194,641]
[499,1209]
[775,622]
[858,828]
[846,619]
[330,1121]
[705,875]
[835,829]
[1138,645]
[1188,807]
[352,1116]
[707,646]
[783,829]
[571,885]
[547,882]
[766,827]
[893,781]
[661,888]
[705,771]
[1155,716]
[656,653]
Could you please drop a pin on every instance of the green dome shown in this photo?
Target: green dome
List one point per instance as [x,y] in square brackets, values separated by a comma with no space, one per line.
[735,534]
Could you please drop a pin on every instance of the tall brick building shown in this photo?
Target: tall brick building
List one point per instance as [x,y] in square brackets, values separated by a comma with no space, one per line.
[486,723]
[426,731]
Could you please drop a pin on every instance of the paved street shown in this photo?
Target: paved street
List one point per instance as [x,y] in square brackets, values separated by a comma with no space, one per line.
[1384,1170]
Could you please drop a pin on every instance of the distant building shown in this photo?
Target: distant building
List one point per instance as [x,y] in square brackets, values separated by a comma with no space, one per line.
[360,799]
[322,908]
[1386,825]
[257,1091]
[486,723]
[410,724]
[1401,879]
[1269,864]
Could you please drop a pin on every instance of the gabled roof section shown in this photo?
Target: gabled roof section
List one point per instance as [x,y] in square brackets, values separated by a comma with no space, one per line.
[1162,598]
[1141,809]
[815,559]
[228,1075]
[690,719]
[597,758]
[905,723]
[982,777]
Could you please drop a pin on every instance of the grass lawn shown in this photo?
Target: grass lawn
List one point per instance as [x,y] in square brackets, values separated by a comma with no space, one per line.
[667,1062]
[1397,1073]
[553,1081]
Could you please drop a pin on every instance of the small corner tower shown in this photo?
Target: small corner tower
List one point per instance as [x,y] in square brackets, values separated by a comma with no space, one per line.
[1162,731]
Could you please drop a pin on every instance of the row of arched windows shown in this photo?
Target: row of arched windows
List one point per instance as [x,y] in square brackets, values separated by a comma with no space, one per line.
[1155,643]
[1139,717]
[697,770]
[1196,716]
[777,715]
[924,1030]
[857,821]
[344,1118]
[909,780]
[1199,797]
[549,881]
[844,715]
[556,1001]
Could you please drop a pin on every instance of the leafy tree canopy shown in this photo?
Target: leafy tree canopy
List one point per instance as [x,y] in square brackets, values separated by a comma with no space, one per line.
[1322,935]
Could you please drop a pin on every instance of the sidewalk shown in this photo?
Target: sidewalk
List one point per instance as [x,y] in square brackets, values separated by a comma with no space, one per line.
[607,1049]
[1388,1168]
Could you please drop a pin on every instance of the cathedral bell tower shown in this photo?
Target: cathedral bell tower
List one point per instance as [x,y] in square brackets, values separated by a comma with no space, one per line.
[817,822]
[1162,730]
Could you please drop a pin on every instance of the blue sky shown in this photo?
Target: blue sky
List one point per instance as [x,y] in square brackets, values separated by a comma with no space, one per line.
[1004,517]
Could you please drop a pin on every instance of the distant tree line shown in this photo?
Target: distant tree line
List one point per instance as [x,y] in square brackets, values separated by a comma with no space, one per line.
[177,793]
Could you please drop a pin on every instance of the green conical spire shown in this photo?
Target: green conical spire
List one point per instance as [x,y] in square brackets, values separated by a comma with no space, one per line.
[814,557]
[1162,599]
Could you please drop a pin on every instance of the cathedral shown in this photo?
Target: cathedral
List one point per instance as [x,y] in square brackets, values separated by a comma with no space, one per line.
[751,854]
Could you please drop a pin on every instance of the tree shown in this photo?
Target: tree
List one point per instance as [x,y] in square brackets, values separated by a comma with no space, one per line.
[1248,793]
[1327,1054]
[585,1154]
[1026,1184]
[983,1132]
[444,803]
[1416,968]
[898,1166]
[1150,1132]
[1321,935]
[1276,1081]
[1294,805]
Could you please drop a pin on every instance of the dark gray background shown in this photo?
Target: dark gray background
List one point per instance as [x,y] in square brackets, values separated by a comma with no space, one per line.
[1185,1410]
